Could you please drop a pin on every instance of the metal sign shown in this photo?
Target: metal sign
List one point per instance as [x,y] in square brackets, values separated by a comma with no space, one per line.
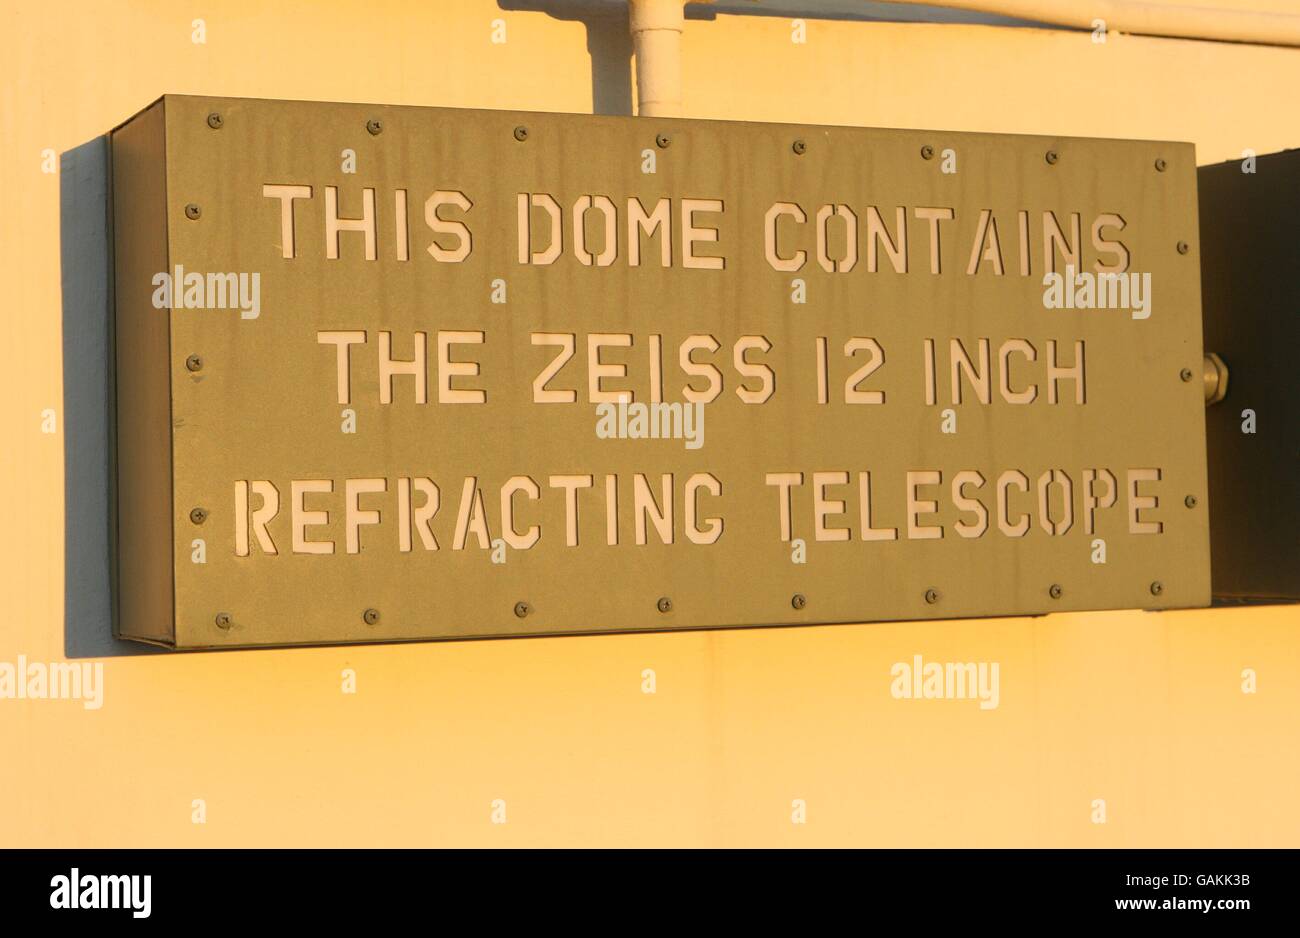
[393,373]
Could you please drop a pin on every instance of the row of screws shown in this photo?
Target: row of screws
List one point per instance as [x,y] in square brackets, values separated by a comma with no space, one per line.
[799,601]
[1051,156]
[662,141]
[370,617]
[664,605]
[375,127]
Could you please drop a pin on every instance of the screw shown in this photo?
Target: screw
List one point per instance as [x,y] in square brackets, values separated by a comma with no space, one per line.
[1183,247]
[663,140]
[931,596]
[1185,374]
[799,147]
[521,133]
[927,152]
[1190,501]
[222,620]
[192,212]
[1157,588]
[1161,164]
[198,515]
[215,121]
[375,127]
[799,601]
[665,604]
[194,363]
[522,609]
[1052,157]
[371,616]
[1054,591]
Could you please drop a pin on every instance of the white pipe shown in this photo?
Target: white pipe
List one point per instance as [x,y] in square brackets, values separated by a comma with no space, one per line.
[1150,19]
[656,27]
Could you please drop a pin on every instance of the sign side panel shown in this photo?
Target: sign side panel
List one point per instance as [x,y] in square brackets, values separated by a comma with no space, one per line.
[143,406]
[1249,232]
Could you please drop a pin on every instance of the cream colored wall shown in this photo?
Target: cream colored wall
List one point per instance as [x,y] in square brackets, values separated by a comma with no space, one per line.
[1144,710]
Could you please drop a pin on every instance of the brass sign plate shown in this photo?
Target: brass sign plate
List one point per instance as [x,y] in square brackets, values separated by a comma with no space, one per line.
[397,373]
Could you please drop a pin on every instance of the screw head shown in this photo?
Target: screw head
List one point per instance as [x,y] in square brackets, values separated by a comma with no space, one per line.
[1185,374]
[1161,165]
[1157,588]
[1052,156]
[194,363]
[198,515]
[799,147]
[1055,591]
[521,133]
[1183,247]
[663,141]
[665,604]
[799,600]
[222,620]
[370,616]
[375,127]
[1190,501]
[932,596]
[192,212]
[927,152]
[215,121]
[522,609]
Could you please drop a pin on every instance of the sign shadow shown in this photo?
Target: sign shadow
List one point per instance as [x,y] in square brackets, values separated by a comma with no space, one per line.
[86,274]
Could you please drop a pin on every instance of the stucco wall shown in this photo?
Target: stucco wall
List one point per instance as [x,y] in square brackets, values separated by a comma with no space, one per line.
[1143,710]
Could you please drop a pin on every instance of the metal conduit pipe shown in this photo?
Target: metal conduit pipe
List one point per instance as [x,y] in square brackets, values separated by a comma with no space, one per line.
[656,27]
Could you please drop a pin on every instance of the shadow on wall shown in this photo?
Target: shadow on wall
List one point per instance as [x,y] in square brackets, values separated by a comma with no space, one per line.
[86,260]
[608,43]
